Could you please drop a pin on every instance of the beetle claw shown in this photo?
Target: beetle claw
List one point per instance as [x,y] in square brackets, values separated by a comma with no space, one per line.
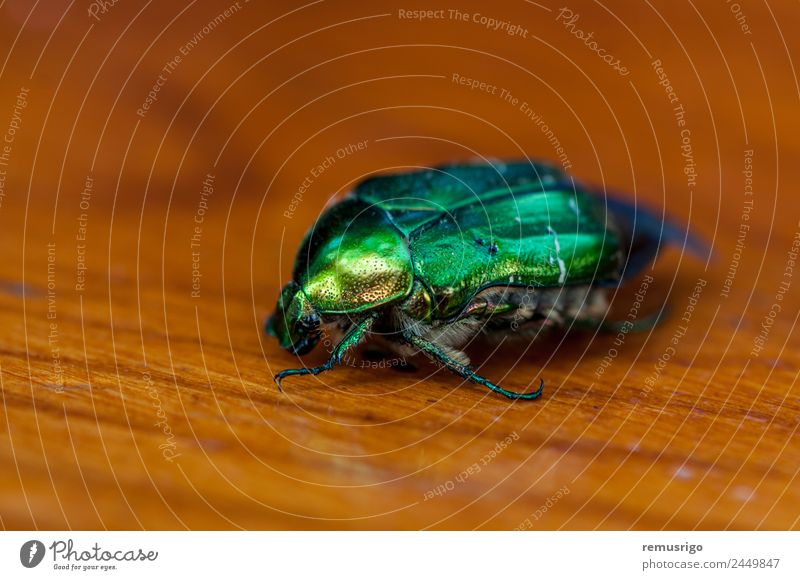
[287,373]
[538,392]
[304,371]
[516,395]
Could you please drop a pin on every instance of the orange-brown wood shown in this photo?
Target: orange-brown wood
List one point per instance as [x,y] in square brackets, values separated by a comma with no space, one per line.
[137,394]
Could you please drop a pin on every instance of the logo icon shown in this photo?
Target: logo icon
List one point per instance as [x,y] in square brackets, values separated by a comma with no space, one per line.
[31,553]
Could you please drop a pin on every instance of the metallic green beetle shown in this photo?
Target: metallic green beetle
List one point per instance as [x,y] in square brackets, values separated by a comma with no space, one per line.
[425,260]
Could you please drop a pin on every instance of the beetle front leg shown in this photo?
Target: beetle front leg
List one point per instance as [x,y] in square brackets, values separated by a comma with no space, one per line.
[437,354]
[349,341]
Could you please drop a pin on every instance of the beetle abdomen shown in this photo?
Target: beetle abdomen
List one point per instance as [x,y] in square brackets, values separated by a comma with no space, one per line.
[540,239]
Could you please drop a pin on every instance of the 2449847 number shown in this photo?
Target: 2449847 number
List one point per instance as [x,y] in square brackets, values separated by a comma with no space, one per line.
[755,562]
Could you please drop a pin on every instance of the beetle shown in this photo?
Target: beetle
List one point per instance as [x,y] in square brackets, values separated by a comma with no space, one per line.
[426,259]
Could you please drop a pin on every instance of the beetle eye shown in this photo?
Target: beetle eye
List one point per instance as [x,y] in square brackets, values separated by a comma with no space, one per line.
[310,321]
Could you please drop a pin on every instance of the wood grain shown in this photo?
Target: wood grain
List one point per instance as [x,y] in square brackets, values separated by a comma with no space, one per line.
[132,399]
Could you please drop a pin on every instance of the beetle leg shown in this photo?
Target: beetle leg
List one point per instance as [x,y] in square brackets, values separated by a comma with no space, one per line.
[351,339]
[436,353]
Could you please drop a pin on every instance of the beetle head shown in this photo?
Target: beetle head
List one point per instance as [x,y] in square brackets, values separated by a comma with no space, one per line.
[295,322]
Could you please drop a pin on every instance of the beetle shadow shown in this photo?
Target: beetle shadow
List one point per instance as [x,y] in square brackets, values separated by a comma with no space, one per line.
[500,354]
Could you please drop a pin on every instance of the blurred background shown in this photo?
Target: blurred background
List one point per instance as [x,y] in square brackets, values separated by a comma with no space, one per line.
[161,161]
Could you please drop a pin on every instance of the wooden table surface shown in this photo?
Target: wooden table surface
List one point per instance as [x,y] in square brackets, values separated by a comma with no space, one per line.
[161,162]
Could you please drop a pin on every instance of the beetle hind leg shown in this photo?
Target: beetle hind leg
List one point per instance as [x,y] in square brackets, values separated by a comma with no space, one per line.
[438,354]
